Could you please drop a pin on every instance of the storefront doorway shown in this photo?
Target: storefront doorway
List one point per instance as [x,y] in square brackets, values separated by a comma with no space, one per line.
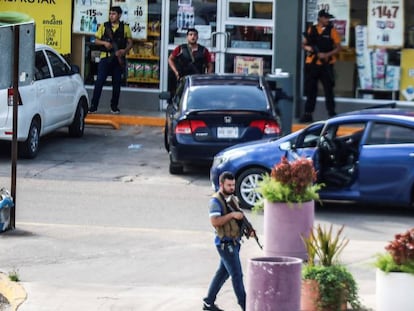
[239,33]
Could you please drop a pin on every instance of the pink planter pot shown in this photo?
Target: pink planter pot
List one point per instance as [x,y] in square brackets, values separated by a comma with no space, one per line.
[283,226]
[273,284]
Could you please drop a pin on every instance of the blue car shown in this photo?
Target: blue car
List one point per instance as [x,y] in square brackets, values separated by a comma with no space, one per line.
[361,156]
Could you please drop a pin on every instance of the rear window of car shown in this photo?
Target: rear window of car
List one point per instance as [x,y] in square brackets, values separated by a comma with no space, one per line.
[227,97]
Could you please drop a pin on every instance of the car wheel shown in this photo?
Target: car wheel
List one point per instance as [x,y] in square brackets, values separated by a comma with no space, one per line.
[77,127]
[166,144]
[30,147]
[176,168]
[246,186]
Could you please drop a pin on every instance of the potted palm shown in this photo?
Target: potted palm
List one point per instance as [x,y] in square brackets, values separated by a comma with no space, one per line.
[327,285]
[395,274]
[288,195]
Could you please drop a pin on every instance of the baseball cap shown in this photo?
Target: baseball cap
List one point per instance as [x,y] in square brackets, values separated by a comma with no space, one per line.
[323,13]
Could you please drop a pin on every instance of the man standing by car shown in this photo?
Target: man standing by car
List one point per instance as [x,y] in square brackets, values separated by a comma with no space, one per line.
[322,43]
[191,57]
[115,39]
[227,242]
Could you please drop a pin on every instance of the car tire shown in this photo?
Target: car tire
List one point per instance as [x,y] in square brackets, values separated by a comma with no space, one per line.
[166,144]
[77,127]
[175,168]
[30,147]
[246,184]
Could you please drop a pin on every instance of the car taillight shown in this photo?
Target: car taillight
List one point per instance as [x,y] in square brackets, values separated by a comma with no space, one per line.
[10,97]
[266,126]
[188,126]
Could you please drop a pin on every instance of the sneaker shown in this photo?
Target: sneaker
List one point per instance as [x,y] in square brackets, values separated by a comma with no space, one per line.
[115,111]
[332,114]
[93,110]
[211,307]
[306,118]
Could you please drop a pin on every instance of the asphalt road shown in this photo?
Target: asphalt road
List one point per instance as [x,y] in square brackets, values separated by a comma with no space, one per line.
[101,225]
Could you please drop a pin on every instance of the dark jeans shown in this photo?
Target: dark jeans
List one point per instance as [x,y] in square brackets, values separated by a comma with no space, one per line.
[229,266]
[108,66]
[325,74]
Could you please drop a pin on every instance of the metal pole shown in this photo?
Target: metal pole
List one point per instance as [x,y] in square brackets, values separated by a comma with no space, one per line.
[16,100]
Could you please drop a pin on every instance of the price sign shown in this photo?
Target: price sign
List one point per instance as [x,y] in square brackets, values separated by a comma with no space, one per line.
[88,15]
[386,23]
[135,13]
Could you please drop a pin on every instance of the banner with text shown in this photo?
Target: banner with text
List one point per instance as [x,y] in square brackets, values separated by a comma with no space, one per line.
[386,23]
[52,21]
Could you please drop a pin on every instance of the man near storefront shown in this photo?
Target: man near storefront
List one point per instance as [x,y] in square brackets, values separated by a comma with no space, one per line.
[115,39]
[191,57]
[322,43]
[227,242]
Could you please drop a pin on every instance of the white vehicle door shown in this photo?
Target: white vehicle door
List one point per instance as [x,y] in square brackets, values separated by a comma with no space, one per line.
[66,90]
[46,92]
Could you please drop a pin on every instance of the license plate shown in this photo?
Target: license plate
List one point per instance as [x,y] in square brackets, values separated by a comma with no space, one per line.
[227,132]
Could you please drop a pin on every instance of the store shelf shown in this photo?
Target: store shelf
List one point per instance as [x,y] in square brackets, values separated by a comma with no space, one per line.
[142,80]
[143,57]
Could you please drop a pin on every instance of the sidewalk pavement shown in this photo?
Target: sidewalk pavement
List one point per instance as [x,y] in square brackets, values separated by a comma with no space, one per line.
[54,292]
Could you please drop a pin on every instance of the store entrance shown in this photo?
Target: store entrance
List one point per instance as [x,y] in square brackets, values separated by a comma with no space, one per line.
[239,33]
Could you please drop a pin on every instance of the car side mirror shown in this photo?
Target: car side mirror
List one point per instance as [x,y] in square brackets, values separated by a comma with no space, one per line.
[75,68]
[166,95]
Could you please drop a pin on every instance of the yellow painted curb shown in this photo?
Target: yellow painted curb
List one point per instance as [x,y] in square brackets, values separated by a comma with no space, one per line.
[124,119]
[13,291]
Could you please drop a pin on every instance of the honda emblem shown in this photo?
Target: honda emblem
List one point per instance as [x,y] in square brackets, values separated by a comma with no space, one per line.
[227,119]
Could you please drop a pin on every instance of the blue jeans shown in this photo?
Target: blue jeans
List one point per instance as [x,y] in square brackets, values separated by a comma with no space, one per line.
[229,266]
[108,66]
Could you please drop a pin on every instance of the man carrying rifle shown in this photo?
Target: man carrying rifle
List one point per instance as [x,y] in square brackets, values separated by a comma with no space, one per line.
[115,39]
[322,43]
[225,217]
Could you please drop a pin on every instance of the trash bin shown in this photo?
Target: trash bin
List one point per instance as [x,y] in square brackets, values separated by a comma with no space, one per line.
[6,204]
[282,87]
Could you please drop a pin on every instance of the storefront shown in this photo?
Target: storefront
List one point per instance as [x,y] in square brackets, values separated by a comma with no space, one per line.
[239,33]
[249,36]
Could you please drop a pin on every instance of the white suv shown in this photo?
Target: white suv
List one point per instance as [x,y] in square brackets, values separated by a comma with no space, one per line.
[56,98]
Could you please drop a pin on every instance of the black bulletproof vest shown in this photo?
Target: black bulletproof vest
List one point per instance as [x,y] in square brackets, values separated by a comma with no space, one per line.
[323,41]
[117,38]
[186,64]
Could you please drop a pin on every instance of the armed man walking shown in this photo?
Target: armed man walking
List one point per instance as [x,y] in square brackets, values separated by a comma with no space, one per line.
[115,39]
[227,241]
[322,43]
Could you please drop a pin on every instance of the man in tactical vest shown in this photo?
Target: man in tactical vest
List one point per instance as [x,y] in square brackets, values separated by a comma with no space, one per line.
[191,57]
[115,39]
[322,43]
[227,242]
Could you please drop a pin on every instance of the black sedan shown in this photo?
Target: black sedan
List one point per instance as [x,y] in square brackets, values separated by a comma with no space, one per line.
[211,112]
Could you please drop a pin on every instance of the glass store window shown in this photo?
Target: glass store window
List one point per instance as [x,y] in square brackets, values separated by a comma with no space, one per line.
[381,74]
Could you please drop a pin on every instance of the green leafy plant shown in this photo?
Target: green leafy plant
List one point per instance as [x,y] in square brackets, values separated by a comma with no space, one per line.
[336,284]
[289,182]
[400,254]
[14,275]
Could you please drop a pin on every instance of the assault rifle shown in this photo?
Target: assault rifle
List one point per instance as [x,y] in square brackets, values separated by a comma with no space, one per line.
[246,227]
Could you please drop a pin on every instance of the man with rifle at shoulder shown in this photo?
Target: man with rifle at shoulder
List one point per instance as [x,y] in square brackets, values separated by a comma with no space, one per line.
[322,43]
[227,218]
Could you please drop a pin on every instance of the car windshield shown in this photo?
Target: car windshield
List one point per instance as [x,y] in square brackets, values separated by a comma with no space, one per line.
[226,97]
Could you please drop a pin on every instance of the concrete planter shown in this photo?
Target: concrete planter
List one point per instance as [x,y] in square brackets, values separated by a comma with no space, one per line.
[273,284]
[283,226]
[394,290]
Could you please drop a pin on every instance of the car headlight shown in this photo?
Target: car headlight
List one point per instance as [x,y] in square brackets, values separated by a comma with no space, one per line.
[219,160]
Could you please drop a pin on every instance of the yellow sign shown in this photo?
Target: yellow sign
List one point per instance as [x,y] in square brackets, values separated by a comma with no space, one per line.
[407,75]
[53,20]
